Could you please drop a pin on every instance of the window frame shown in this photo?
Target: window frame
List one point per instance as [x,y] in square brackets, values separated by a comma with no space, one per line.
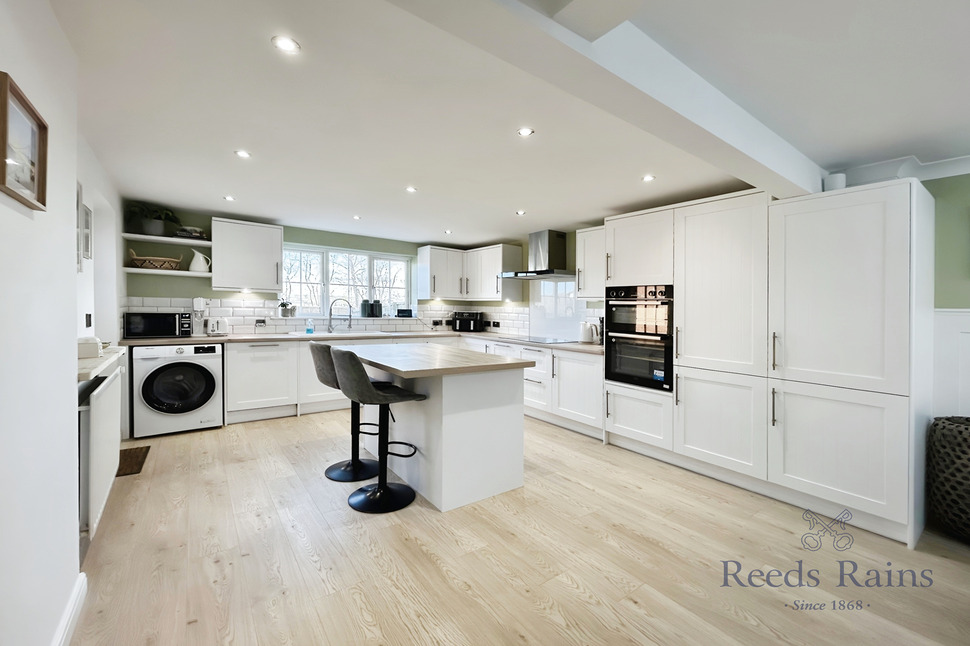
[325,251]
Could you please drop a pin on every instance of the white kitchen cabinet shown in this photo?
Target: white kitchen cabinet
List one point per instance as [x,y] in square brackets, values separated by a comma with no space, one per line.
[721,418]
[538,379]
[246,255]
[503,349]
[721,285]
[477,344]
[640,414]
[847,446]
[591,263]
[443,340]
[577,386]
[640,248]
[469,275]
[482,269]
[261,374]
[839,289]
[441,273]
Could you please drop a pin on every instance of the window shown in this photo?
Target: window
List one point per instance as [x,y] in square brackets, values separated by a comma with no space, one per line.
[315,277]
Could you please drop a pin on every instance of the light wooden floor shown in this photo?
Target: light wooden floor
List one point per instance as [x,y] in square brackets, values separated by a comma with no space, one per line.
[234,536]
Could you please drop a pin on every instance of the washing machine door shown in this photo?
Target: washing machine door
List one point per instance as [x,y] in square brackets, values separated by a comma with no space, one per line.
[178,388]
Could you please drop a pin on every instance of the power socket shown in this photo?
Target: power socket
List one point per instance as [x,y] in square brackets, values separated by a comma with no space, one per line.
[495,323]
[436,322]
[260,322]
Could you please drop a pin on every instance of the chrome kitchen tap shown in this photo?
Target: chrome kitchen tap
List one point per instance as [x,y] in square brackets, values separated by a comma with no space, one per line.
[350,314]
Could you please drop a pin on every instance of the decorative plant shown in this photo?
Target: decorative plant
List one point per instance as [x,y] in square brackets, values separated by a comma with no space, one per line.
[284,303]
[137,213]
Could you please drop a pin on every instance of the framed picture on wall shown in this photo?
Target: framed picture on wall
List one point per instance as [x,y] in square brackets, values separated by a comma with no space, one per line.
[23,141]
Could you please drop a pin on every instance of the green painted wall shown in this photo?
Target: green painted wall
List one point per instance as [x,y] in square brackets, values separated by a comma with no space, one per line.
[952,195]
[348,241]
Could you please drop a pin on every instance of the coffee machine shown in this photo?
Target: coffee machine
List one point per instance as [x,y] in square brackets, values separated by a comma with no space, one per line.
[198,317]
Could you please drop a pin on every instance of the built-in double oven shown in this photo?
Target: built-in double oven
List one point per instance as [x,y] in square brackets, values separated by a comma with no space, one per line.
[639,339]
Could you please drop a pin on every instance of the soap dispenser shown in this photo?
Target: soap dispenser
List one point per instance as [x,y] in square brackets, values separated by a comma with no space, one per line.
[309,326]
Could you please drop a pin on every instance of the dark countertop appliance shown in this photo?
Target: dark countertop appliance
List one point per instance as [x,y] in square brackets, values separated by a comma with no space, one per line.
[468,321]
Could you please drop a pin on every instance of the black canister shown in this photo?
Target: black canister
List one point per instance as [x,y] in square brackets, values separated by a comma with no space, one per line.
[365,308]
[376,309]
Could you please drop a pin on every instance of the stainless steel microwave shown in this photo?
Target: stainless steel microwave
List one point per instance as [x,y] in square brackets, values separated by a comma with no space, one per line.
[157,325]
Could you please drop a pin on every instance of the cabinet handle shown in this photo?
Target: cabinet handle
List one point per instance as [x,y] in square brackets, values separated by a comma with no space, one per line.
[263,345]
[676,343]
[534,381]
[502,345]
[774,363]
[434,284]
[533,350]
[459,285]
[608,276]
[607,404]
[279,274]
[553,366]
[773,418]
[498,290]
[486,348]
[467,288]
[579,278]
[676,390]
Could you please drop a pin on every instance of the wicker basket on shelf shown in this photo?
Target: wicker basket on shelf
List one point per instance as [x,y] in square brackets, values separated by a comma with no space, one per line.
[151,262]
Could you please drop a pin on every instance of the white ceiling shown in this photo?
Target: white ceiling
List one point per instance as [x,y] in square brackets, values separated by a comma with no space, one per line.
[379,99]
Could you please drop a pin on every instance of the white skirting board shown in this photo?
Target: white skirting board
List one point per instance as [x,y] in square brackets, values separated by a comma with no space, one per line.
[951,380]
[72,612]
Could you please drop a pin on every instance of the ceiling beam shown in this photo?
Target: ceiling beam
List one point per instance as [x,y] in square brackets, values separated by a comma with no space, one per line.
[594,18]
[629,75]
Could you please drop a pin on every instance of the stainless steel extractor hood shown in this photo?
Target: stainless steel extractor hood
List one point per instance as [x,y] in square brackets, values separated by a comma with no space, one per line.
[547,258]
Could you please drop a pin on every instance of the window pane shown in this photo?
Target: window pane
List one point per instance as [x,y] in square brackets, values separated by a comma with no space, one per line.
[312,269]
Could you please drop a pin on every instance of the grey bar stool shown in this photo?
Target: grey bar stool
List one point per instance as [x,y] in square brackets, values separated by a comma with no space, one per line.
[355,468]
[384,496]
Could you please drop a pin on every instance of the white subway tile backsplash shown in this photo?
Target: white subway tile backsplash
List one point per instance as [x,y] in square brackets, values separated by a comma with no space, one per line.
[153,301]
[135,301]
[182,302]
[220,311]
[242,311]
[229,302]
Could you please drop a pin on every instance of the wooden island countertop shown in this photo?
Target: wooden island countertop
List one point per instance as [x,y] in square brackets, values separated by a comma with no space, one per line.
[417,360]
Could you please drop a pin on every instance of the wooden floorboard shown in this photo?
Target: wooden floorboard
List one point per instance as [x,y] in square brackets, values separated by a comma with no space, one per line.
[234,536]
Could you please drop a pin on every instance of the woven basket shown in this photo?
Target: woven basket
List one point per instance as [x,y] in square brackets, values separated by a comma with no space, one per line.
[948,475]
[150,262]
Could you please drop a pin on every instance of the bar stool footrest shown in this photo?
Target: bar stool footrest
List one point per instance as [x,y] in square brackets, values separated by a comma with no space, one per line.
[413,448]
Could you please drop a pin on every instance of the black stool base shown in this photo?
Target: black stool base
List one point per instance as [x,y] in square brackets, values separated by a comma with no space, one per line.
[374,499]
[353,471]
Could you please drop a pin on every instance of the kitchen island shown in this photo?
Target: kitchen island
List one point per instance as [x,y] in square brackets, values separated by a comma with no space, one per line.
[469,430]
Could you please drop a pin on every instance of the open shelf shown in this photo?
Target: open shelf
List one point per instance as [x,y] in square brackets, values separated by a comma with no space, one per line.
[168,272]
[185,242]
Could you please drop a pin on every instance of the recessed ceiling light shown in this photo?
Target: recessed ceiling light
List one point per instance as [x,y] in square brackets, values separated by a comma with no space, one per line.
[520,212]
[649,178]
[411,189]
[356,217]
[229,198]
[243,154]
[525,132]
[448,231]
[285,44]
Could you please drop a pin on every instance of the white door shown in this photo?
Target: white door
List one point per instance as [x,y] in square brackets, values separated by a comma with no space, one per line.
[721,418]
[472,287]
[721,285]
[259,375]
[640,249]
[246,255]
[838,288]
[640,414]
[847,446]
[591,263]
[577,382]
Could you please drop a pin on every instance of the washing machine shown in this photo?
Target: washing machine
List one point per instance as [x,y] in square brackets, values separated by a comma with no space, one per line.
[176,388]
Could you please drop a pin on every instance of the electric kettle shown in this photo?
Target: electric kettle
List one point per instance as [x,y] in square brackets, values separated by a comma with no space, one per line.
[589,332]
[200,262]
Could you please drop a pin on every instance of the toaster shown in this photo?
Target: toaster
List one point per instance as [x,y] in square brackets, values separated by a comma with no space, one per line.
[217,327]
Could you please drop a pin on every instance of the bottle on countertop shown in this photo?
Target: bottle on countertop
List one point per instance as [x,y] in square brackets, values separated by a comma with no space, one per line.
[376,309]
[310,327]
